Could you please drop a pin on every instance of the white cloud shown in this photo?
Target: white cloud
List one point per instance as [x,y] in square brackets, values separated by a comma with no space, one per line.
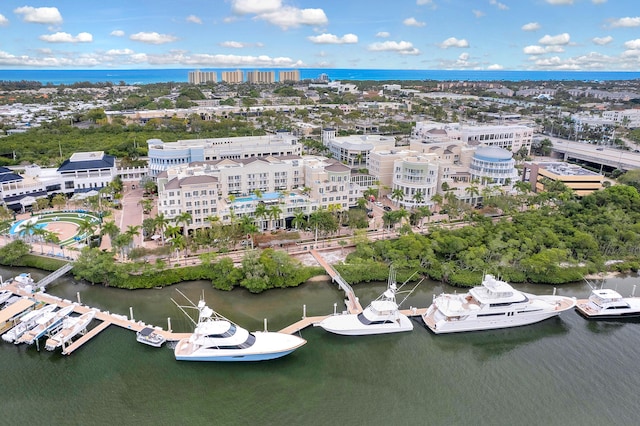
[229,19]
[560,39]
[3,20]
[383,34]
[499,5]
[413,22]
[531,26]
[602,40]
[117,33]
[114,52]
[424,2]
[626,22]
[194,19]
[152,38]
[495,67]
[401,47]
[632,44]
[291,17]
[61,37]
[534,50]
[334,39]
[598,1]
[233,44]
[39,15]
[255,7]
[477,13]
[454,42]
[559,2]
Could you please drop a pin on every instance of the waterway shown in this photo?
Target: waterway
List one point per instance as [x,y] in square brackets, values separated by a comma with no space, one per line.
[562,371]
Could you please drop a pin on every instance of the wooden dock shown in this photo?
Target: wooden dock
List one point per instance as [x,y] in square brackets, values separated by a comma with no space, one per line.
[303,323]
[352,302]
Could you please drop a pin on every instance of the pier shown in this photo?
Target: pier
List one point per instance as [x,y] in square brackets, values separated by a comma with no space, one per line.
[352,302]
[54,275]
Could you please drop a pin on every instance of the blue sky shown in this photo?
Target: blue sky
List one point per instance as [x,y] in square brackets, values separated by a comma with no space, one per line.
[597,35]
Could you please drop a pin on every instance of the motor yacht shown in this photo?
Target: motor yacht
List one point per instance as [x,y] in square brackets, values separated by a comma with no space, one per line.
[494,304]
[379,317]
[44,324]
[71,326]
[27,322]
[216,338]
[4,296]
[606,303]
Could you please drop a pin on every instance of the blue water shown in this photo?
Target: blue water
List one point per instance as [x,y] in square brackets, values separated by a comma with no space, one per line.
[148,76]
[253,197]
[15,226]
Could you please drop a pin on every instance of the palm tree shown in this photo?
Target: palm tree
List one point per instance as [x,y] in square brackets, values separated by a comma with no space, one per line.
[397,195]
[274,213]
[299,219]
[418,197]
[370,193]
[185,219]
[39,234]
[473,192]
[86,228]
[161,224]
[27,230]
[437,200]
[111,229]
[261,213]
[133,231]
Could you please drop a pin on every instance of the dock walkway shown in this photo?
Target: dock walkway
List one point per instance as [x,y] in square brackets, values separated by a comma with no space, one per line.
[54,275]
[352,302]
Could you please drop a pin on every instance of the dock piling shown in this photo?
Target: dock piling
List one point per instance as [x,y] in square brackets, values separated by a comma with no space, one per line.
[78,297]
[265,325]
[304,311]
[131,313]
[169,324]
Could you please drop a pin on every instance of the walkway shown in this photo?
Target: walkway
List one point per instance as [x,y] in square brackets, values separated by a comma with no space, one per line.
[54,276]
[352,302]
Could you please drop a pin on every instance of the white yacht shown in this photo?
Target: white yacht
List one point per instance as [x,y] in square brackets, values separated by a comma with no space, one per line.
[44,324]
[150,337]
[27,322]
[4,296]
[608,304]
[494,304]
[216,338]
[71,326]
[380,317]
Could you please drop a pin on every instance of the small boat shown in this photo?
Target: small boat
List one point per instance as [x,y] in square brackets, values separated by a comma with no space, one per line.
[494,304]
[148,336]
[27,322]
[44,324]
[607,304]
[71,326]
[24,279]
[4,296]
[380,317]
[216,338]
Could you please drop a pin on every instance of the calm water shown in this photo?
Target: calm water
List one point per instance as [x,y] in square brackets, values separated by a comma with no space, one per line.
[561,371]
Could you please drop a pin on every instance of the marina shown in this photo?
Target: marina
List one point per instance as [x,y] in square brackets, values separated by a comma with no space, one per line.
[399,379]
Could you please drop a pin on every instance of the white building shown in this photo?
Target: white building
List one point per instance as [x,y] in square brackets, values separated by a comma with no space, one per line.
[163,155]
[354,150]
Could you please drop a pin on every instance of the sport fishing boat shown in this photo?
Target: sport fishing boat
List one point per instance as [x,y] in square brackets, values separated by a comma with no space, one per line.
[216,338]
[381,316]
[27,322]
[71,326]
[44,324]
[494,304]
[4,296]
[607,304]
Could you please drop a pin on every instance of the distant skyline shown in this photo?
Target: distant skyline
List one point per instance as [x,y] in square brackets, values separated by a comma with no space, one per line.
[588,35]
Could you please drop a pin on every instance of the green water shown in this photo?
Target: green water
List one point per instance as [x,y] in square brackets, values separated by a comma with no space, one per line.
[562,371]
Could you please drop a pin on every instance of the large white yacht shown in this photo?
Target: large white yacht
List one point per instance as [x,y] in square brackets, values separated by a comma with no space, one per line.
[494,304]
[71,326]
[608,304]
[216,338]
[27,322]
[380,317]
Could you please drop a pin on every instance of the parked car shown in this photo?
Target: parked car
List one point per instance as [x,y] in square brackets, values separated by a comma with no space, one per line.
[387,208]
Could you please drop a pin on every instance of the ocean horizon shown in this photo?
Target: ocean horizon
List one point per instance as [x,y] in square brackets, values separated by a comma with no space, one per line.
[180,75]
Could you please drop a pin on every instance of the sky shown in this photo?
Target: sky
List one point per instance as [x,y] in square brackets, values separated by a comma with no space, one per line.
[593,35]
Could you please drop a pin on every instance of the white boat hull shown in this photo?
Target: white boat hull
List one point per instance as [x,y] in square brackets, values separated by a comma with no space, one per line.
[483,320]
[268,345]
[350,325]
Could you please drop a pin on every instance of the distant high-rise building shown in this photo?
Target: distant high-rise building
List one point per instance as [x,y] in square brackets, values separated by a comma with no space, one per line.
[199,77]
[261,77]
[293,75]
[232,76]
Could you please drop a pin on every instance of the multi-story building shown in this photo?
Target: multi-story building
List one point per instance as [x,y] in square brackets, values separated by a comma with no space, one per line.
[582,181]
[330,183]
[630,118]
[354,150]
[261,77]
[417,177]
[163,155]
[293,75]
[233,77]
[492,165]
[200,77]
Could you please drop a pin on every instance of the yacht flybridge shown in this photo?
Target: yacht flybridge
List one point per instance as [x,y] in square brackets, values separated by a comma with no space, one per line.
[380,317]
[494,304]
[606,303]
[216,338]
